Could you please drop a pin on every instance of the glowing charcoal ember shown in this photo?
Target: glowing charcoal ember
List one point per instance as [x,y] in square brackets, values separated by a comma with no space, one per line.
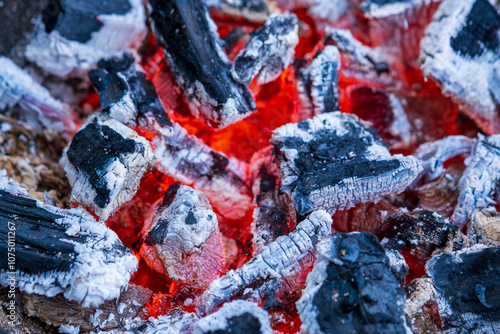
[127,95]
[237,317]
[105,163]
[467,289]
[318,82]
[250,10]
[183,240]
[198,64]
[479,179]
[38,108]
[75,35]
[333,161]
[484,227]
[461,52]
[434,154]
[272,216]
[61,251]
[269,51]
[272,263]
[352,289]
[223,180]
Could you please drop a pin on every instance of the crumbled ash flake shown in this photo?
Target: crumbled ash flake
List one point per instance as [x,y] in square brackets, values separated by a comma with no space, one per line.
[40,109]
[252,10]
[183,240]
[485,227]
[479,179]
[127,95]
[352,289]
[272,215]
[467,286]
[237,317]
[385,8]
[461,52]
[269,51]
[68,329]
[273,263]
[77,36]
[333,161]
[318,81]
[398,264]
[223,180]
[89,268]
[105,163]
[198,63]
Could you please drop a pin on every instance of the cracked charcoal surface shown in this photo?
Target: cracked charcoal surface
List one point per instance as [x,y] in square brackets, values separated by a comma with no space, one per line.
[461,52]
[192,51]
[269,51]
[276,261]
[333,162]
[352,289]
[467,282]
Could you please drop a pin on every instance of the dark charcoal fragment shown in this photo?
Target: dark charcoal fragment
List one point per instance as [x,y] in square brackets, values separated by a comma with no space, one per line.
[186,32]
[352,289]
[468,285]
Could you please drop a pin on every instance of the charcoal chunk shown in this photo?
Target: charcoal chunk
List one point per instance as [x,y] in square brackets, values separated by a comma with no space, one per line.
[251,10]
[385,8]
[484,227]
[104,163]
[352,289]
[334,161]
[237,317]
[60,251]
[190,42]
[269,51]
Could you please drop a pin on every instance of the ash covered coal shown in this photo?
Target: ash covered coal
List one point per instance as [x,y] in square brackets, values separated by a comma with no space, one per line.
[250,10]
[334,161]
[191,44]
[237,317]
[269,51]
[277,261]
[60,251]
[72,36]
[461,51]
[105,163]
[484,227]
[352,289]
[182,239]
[223,180]
[386,8]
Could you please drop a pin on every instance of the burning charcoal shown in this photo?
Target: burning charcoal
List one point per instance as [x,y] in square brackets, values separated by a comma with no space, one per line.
[318,82]
[272,216]
[128,96]
[467,286]
[104,163]
[183,240]
[485,227]
[321,10]
[237,317]
[223,180]
[37,107]
[251,10]
[385,8]
[421,308]
[461,52]
[434,154]
[269,51]
[198,64]
[478,180]
[271,263]
[60,251]
[334,161]
[74,36]
[352,289]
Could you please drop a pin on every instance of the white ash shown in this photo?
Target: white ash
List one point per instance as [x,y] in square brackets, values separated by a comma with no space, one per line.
[68,329]
[223,319]
[313,156]
[102,266]
[471,80]
[434,154]
[223,180]
[269,51]
[398,264]
[40,109]
[328,10]
[376,9]
[121,177]
[62,57]
[273,262]
[479,179]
